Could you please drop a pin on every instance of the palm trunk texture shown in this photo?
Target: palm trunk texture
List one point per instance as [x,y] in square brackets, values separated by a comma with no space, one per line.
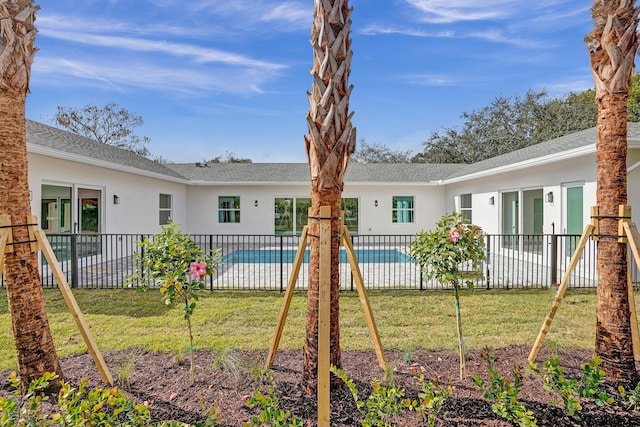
[612,47]
[35,351]
[330,142]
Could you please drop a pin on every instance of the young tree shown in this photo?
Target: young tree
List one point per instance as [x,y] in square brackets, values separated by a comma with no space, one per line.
[110,124]
[330,142]
[612,44]
[32,337]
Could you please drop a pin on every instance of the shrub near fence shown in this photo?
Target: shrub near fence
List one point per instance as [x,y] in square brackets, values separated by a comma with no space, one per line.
[266,261]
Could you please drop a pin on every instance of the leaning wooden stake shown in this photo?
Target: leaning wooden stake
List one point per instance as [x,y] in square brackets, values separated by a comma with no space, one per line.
[631,231]
[560,293]
[362,294]
[364,299]
[40,242]
[284,310]
[63,285]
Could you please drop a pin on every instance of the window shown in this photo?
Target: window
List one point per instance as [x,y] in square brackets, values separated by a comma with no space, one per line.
[165,209]
[350,208]
[228,209]
[291,214]
[402,209]
[465,207]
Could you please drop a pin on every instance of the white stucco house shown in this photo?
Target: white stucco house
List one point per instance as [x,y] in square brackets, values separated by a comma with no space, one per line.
[79,185]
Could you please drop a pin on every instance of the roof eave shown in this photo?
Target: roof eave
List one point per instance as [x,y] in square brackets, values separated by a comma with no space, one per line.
[45,151]
[538,161]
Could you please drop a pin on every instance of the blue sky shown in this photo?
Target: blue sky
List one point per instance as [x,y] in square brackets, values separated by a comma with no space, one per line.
[217,76]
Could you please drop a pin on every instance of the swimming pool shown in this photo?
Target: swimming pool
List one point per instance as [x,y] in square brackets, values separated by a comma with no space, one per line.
[273,256]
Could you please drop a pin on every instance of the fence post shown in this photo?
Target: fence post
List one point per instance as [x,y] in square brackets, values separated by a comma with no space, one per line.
[488,280]
[211,253]
[281,265]
[142,258]
[351,275]
[74,260]
[554,259]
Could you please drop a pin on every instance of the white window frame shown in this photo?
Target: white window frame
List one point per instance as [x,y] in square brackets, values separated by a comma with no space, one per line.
[163,218]
[229,214]
[406,213]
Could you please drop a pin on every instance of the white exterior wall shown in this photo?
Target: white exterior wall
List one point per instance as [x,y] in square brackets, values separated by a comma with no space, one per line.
[202,200]
[554,177]
[195,207]
[138,211]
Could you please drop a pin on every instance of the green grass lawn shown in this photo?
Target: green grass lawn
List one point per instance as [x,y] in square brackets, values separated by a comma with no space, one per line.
[246,320]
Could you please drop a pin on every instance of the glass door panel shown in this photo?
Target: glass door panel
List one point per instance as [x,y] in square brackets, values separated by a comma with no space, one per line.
[283,215]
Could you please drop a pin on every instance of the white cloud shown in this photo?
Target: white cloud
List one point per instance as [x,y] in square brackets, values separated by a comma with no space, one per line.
[494,35]
[114,75]
[429,80]
[447,11]
[196,53]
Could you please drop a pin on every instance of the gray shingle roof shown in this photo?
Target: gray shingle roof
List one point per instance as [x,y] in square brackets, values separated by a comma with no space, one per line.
[59,140]
[564,143]
[299,172]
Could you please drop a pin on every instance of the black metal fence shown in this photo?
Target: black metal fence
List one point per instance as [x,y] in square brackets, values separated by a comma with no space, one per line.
[266,261]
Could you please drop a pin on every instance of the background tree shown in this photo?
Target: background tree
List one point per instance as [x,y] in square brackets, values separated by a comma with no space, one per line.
[508,124]
[612,44]
[633,103]
[379,153]
[229,157]
[110,124]
[32,337]
[331,141]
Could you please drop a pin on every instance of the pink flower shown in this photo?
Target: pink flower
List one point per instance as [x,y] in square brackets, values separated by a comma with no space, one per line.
[198,269]
[454,235]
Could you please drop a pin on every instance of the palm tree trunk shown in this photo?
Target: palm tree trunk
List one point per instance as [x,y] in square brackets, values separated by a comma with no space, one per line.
[32,337]
[614,343]
[330,143]
[612,48]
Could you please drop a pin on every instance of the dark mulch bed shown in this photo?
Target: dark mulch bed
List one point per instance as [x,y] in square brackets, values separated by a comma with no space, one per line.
[163,383]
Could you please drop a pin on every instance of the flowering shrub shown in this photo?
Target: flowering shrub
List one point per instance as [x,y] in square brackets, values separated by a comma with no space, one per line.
[451,251]
[449,254]
[173,261]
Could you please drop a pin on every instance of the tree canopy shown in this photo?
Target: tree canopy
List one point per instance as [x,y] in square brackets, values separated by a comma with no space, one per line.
[508,124]
[379,153]
[229,157]
[109,124]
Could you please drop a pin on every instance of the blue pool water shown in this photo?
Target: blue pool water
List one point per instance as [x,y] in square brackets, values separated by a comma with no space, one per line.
[288,256]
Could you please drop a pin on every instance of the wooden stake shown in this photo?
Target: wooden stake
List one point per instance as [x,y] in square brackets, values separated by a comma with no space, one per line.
[588,230]
[631,231]
[633,316]
[4,239]
[284,310]
[324,318]
[72,304]
[364,299]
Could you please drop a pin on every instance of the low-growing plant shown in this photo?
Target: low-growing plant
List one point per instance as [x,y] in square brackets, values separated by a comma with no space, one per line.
[383,402]
[631,397]
[431,396]
[556,383]
[125,370]
[504,393]
[105,407]
[84,407]
[270,414]
[179,266]
[24,409]
[593,378]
